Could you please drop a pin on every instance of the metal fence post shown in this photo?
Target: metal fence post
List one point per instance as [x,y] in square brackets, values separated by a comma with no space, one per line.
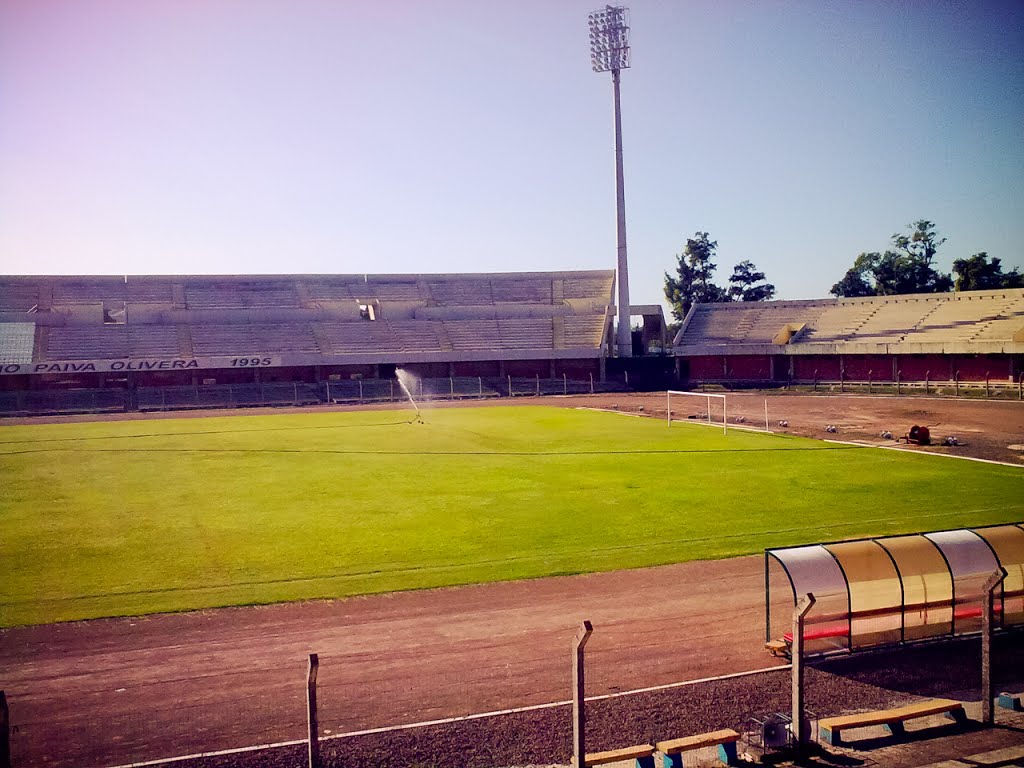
[591,383]
[314,728]
[360,390]
[987,394]
[956,384]
[510,386]
[898,376]
[565,384]
[987,693]
[451,386]
[869,381]
[480,386]
[538,385]
[328,391]
[800,730]
[926,375]
[579,717]
[5,733]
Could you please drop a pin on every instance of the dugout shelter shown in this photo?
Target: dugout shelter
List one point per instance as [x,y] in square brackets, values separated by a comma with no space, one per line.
[895,589]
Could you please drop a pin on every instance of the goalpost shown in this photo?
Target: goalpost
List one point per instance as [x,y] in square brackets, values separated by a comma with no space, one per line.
[707,396]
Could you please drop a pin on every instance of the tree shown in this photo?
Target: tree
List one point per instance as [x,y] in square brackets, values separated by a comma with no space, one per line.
[743,283]
[979,273]
[906,269]
[692,283]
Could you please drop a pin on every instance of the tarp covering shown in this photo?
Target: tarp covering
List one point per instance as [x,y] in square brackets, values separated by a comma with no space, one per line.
[886,590]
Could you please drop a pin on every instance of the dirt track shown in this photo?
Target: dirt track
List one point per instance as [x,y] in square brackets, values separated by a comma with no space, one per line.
[121,690]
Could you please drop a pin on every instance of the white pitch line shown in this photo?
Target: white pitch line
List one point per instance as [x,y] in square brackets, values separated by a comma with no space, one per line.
[905,449]
[459,719]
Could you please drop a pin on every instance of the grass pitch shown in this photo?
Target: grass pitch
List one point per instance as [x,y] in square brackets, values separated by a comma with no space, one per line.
[131,517]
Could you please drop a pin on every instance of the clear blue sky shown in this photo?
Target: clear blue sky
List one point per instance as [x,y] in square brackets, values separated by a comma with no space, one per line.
[256,136]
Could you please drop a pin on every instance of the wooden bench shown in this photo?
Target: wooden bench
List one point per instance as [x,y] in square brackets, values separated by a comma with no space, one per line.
[724,739]
[642,754]
[830,728]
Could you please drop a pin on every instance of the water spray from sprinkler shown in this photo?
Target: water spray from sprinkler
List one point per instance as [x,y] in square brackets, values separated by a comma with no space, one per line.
[405,379]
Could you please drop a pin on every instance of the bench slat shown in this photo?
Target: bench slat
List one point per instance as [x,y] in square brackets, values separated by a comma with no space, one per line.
[897,715]
[615,755]
[674,746]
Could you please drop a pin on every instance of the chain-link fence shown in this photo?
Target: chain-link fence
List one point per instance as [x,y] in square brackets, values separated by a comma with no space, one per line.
[254,395]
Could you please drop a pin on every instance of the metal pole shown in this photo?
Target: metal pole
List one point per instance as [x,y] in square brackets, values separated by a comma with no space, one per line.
[800,729]
[579,717]
[510,386]
[5,733]
[591,383]
[625,343]
[328,391]
[451,386]
[668,409]
[480,385]
[314,729]
[725,416]
[565,385]
[538,385]
[987,621]
[766,429]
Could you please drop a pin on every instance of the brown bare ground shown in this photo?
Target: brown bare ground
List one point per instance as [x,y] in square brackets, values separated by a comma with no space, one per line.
[112,691]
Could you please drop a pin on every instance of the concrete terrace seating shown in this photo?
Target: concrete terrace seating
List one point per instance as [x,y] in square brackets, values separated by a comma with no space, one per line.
[1008,320]
[240,295]
[360,336]
[149,292]
[957,320]
[284,338]
[598,287]
[891,320]
[461,292]
[837,322]
[712,325]
[18,296]
[522,290]
[526,334]
[416,336]
[472,335]
[88,290]
[88,342]
[152,341]
[582,331]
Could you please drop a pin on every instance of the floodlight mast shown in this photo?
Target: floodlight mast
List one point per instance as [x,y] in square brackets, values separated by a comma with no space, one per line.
[609,52]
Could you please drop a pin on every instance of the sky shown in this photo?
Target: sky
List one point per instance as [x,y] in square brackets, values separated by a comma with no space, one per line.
[327,136]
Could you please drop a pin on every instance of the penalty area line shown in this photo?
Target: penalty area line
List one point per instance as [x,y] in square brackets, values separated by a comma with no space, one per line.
[458,719]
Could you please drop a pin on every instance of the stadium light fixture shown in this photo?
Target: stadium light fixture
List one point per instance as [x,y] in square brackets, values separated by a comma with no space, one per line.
[609,52]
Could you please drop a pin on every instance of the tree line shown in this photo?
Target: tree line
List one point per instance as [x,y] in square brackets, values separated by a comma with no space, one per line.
[907,267]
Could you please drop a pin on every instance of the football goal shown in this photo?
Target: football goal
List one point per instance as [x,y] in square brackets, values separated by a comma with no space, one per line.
[715,409]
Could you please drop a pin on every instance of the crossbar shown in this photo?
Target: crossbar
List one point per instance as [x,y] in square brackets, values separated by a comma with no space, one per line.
[707,396]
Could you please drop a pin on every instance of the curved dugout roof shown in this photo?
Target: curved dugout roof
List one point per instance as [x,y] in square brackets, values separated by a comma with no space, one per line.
[894,589]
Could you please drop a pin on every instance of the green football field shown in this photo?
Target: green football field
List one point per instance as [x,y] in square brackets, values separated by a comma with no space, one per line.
[130,517]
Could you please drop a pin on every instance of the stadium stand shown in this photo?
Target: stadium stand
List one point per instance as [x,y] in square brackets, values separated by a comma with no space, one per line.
[178,341]
[965,336]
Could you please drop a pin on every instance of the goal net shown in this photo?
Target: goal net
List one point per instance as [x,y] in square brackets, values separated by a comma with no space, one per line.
[700,407]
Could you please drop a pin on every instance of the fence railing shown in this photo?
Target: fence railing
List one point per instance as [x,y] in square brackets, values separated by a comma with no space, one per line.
[252,395]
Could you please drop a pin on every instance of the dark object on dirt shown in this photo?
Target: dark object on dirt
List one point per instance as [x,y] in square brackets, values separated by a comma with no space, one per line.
[919,435]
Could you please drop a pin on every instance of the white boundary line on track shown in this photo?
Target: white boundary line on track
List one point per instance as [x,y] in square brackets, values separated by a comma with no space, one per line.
[447,720]
[903,449]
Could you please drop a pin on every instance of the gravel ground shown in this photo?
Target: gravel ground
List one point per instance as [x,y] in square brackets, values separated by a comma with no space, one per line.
[543,737]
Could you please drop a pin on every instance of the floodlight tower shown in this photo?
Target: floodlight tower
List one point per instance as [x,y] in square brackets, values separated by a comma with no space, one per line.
[609,52]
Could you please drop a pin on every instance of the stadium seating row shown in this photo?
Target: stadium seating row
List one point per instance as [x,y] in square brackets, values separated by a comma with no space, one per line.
[962,317]
[115,341]
[24,294]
